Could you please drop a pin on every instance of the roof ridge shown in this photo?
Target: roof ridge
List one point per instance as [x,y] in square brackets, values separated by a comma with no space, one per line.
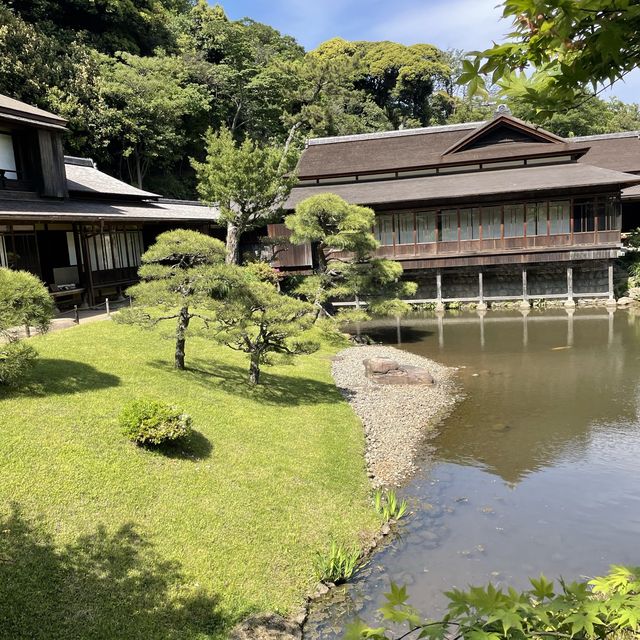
[80,162]
[463,126]
[606,136]
[193,203]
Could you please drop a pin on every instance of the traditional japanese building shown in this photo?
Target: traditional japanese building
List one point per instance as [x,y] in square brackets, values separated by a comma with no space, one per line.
[497,210]
[79,229]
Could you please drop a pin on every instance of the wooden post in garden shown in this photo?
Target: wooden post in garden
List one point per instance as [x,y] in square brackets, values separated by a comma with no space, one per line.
[106,302]
[76,315]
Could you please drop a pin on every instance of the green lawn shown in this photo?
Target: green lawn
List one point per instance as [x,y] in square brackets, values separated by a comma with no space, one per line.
[101,539]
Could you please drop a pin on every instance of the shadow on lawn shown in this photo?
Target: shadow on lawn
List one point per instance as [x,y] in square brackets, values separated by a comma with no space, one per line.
[195,447]
[103,586]
[273,388]
[60,377]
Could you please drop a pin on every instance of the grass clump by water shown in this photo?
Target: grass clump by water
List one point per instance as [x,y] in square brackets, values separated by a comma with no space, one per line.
[102,540]
[339,563]
[387,505]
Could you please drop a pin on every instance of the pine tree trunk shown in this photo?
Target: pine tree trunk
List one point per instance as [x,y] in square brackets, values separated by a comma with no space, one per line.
[321,258]
[181,331]
[254,369]
[233,244]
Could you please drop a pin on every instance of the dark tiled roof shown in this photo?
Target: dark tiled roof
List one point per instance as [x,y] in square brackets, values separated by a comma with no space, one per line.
[84,177]
[369,153]
[87,210]
[619,151]
[426,147]
[468,185]
[11,109]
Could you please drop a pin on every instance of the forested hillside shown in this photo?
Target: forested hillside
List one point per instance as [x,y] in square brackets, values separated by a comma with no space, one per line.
[141,81]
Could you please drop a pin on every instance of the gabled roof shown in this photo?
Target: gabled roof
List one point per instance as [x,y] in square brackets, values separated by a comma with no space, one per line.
[516,130]
[21,112]
[415,149]
[83,177]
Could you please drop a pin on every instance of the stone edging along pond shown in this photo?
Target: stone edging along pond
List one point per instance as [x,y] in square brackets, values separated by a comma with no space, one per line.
[397,419]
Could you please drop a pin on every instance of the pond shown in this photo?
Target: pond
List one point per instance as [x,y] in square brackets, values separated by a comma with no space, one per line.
[536,471]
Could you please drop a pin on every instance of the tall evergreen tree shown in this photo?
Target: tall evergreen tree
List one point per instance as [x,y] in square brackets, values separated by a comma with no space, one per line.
[248,182]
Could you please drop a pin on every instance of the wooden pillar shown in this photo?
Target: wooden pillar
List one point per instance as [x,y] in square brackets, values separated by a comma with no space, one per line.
[439,286]
[87,264]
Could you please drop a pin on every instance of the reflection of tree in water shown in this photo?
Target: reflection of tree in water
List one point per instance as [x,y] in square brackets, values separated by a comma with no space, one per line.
[104,585]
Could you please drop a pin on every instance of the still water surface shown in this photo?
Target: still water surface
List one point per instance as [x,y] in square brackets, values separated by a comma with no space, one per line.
[537,469]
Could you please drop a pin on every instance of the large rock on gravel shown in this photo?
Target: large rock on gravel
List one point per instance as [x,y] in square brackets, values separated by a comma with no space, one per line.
[387,371]
[266,626]
[379,365]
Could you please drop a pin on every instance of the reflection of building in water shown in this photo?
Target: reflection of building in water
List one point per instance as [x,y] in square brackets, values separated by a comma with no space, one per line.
[536,386]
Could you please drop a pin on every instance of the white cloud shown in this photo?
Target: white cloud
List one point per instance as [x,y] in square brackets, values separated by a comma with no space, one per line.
[456,24]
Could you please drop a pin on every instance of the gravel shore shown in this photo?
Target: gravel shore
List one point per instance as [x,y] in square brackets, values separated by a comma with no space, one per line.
[397,419]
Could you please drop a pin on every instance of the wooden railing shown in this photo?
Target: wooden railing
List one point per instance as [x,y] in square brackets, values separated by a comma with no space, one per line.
[299,256]
[464,247]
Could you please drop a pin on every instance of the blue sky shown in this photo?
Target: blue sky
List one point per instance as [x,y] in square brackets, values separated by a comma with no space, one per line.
[457,24]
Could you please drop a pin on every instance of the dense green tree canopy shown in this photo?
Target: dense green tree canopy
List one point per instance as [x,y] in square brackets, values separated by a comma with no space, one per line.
[149,104]
[136,26]
[142,82]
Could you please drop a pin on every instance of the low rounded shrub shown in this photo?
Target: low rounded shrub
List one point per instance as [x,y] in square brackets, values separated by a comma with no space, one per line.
[151,422]
[16,359]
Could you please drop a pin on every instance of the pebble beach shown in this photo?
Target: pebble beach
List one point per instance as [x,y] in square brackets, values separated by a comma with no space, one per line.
[398,419]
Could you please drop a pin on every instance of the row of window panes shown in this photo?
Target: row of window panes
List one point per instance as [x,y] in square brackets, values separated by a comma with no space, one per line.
[541,218]
[116,250]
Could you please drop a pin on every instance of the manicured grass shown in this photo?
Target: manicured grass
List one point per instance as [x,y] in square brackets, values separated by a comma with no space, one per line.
[101,539]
